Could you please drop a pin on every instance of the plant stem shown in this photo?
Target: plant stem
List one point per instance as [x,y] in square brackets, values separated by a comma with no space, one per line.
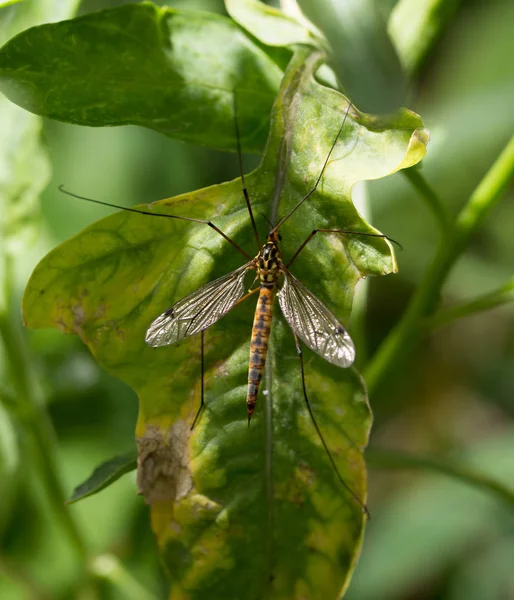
[432,199]
[29,409]
[406,334]
[486,302]
[108,567]
[400,460]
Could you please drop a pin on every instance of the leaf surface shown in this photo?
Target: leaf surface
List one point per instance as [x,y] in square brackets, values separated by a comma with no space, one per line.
[104,475]
[160,68]
[274,27]
[242,512]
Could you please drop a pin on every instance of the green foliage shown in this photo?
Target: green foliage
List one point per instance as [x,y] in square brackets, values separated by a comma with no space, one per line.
[157,68]
[455,517]
[19,186]
[104,475]
[274,27]
[411,17]
[237,512]
[109,282]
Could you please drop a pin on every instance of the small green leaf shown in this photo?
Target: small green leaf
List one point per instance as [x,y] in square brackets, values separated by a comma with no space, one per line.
[104,475]
[139,64]
[238,511]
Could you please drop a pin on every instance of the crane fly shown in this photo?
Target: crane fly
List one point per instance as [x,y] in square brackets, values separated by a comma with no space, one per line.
[309,319]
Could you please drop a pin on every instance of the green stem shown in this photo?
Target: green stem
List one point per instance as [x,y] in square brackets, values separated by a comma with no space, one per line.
[399,460]
[492,300]
[108,567]
[29,408]
[406,334]
[432,199]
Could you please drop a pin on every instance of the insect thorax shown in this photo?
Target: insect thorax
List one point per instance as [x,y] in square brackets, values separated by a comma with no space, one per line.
[269,262]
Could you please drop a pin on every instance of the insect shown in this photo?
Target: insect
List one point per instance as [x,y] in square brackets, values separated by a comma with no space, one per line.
[309,319]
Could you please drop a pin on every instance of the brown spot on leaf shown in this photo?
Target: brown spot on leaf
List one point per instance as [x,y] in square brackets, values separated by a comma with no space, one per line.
[101,311]
[163,463]
[79,315]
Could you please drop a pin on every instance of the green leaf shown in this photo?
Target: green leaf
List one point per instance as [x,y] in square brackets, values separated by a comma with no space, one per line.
[362,56]
[274,27]
[242,511]
[169,70]
[414,27]
[104,475]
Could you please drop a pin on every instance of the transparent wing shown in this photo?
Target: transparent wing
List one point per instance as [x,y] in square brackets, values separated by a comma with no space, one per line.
[199,310]
[314,324]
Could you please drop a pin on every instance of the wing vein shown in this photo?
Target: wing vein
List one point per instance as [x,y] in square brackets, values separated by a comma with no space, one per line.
[199,310]
[314,324]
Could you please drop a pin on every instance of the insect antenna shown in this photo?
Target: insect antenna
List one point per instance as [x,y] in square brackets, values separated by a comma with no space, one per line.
[343,231]
[309,194]
[269,222]
[320,435]
[153,214]
[243,182]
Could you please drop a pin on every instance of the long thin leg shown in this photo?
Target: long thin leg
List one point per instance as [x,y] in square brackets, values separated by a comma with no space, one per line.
[202,362]
[152,214]
[309,194]
[245,191]
[202,370]
[250,293]
[346,231]
[318,431]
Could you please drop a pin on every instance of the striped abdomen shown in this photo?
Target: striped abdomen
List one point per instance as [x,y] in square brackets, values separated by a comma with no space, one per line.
[259,344]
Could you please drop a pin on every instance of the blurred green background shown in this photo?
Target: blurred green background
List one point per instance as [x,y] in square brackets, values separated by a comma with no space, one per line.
[430,537]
